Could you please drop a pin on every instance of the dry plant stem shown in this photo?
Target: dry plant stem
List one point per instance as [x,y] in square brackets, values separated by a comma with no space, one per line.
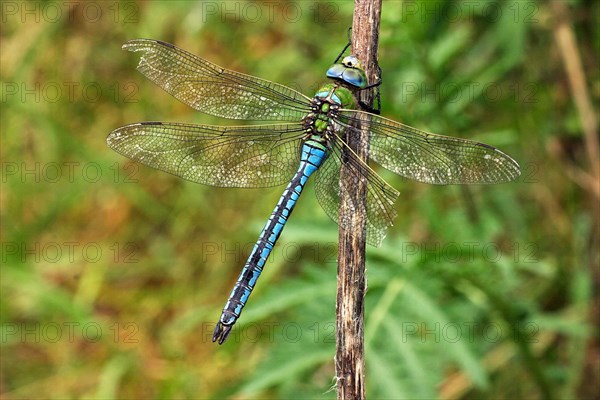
[567,46]
[349,359]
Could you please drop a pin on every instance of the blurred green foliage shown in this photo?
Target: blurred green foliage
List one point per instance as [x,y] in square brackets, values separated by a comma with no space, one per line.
[113,274]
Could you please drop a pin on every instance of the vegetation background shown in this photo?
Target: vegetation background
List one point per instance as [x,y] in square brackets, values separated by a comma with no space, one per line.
[113,274]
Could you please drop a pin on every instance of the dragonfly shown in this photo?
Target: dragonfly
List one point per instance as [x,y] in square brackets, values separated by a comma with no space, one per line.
[299,136]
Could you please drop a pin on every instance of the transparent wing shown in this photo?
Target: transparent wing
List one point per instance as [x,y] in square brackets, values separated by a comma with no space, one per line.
[233,156]
[380,197]
[214,90]
[430,158]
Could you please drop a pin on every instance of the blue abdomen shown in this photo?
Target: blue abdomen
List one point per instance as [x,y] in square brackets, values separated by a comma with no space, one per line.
[314,152]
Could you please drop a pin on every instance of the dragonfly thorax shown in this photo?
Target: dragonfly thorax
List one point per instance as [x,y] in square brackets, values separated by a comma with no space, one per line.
[324,109]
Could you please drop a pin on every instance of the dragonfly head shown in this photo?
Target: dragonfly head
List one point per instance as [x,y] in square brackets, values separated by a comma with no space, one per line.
[350,72]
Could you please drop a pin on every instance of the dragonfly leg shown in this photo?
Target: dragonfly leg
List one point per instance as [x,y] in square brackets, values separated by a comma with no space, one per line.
[377,108]
[346,47]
